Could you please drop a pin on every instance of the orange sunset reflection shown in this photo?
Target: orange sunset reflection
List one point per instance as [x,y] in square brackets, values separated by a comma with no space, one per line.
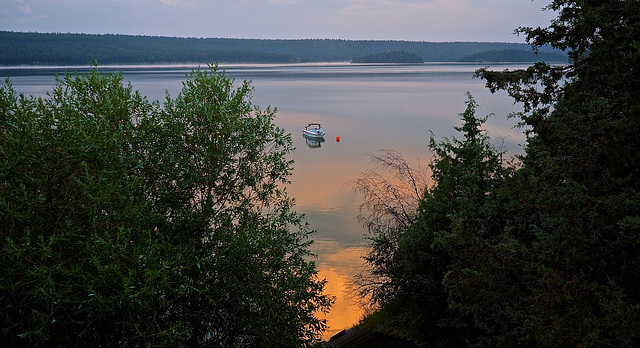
[320,186]
[362,114]
[337,269]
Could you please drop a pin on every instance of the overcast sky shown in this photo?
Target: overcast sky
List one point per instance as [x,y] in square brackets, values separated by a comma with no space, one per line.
[411,20]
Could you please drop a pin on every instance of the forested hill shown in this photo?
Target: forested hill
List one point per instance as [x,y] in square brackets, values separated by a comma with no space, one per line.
[18,48]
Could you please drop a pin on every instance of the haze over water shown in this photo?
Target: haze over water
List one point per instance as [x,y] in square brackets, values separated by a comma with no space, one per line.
[370,107]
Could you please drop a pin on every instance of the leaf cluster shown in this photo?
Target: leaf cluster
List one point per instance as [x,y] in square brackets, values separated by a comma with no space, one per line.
[543,253]
[128,223]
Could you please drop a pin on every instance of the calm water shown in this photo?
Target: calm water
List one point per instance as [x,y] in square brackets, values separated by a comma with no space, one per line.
[370,107]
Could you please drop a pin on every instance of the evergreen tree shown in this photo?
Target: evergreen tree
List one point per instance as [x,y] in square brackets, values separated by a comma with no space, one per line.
[545,253]
[579,187]
[430,267]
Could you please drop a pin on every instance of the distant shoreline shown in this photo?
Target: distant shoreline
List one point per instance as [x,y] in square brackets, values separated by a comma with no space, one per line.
[56,49]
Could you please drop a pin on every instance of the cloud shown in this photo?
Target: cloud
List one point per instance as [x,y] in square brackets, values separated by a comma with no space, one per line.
[421,20]
[25,8]
[280,2]
[179,3]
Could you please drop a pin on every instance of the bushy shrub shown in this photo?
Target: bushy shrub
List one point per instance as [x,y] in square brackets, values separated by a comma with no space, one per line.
[130,223]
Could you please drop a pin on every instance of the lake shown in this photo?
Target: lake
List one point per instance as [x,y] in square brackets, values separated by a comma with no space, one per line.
[370,107]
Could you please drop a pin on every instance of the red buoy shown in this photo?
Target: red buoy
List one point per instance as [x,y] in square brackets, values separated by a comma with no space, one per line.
[337,139]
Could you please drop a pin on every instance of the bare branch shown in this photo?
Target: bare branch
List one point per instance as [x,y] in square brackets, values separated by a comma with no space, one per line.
[391,192]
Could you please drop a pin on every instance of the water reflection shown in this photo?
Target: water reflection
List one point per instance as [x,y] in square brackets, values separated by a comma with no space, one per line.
[398,110]
[313,142]
[338,267]
[398,104]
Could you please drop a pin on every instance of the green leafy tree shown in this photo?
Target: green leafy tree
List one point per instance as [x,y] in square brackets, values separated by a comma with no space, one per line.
[126,223]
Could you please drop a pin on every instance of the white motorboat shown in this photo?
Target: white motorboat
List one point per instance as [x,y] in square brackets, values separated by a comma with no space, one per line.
[313,130]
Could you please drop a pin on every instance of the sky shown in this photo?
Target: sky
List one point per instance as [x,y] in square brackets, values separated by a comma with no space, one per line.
[409,20]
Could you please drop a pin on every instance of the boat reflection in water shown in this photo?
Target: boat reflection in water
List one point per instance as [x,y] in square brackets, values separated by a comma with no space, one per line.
[313,142]
[313,134]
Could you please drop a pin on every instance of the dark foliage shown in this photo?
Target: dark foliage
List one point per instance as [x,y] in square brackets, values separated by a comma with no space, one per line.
[124,223]
[545,253]
[515,56]
[80,49]
[389,57]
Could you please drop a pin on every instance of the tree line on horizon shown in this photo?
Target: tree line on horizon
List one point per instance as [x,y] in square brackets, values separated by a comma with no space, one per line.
[20,48]
[389,57]
[511,56]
